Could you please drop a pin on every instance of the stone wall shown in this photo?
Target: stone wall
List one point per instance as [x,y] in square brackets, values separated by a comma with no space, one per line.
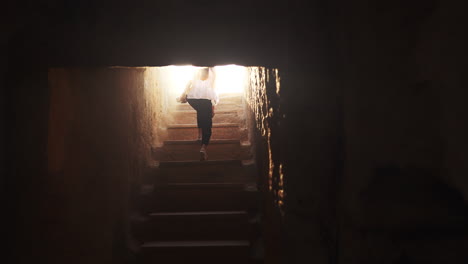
[263,110]
[102,128]
[166,96]
[400,108]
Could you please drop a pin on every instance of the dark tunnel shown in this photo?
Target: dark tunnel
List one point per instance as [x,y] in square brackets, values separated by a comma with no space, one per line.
[345,142]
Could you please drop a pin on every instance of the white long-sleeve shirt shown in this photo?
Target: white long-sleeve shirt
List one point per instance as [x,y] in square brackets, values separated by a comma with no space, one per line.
[204,89]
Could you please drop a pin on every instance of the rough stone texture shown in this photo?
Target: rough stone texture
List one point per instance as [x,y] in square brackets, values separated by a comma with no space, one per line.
[262,96]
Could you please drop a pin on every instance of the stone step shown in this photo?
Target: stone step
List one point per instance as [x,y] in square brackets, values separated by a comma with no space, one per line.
[230,99]
[209,252]
[209,171]
[202,197]
[190,117]
[224,99]
[190,131]
[216,141]
[205,225]
[185,150]
[200,164]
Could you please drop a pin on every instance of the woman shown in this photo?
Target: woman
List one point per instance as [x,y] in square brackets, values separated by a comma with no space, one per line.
[202,96]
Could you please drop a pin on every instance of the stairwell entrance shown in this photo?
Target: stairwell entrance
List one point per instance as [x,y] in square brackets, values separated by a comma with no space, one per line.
[122,127]
[177,127]
[202,210]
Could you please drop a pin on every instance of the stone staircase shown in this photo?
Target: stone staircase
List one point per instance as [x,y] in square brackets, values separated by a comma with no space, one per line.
[201,211]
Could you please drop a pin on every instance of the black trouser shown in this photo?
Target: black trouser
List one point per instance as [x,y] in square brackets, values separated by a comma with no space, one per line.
[204,117]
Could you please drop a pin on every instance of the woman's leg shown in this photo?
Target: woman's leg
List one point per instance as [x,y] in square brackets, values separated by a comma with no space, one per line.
[206,124]
[195,104]
[206,121]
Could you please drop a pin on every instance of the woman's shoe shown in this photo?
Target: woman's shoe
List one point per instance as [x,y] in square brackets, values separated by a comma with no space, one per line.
[203,155]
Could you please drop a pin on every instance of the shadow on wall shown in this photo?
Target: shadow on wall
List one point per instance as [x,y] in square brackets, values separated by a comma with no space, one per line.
[101,129]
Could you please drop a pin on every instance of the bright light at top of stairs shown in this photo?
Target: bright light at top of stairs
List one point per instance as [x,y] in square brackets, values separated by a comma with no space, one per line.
[229,78]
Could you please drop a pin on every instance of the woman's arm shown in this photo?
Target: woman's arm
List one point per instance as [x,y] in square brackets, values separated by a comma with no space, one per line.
[182,97]
[212,75]
[187,87]
[213,79]
[213,86]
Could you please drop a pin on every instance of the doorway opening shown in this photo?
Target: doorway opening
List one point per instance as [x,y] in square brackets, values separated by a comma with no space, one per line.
[177,121]
[122,127]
